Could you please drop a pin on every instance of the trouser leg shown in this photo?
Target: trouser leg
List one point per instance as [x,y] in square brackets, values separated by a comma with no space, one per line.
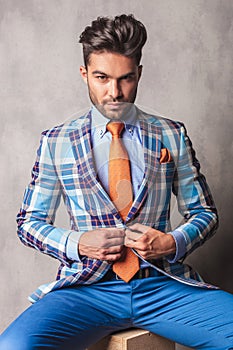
[72,318]
[192,316]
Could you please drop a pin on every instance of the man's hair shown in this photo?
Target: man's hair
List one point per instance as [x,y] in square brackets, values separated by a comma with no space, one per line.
[123,34]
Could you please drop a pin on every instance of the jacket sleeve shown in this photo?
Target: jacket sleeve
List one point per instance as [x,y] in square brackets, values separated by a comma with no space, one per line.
[41,200]
[195,202]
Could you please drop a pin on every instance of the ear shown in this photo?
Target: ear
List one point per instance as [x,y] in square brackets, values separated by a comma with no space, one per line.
[139,72]
[83,72]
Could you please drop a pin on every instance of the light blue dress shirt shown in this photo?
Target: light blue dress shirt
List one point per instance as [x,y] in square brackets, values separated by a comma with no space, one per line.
[131,137]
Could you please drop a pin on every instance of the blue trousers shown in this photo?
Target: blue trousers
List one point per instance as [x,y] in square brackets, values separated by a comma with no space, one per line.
[74,318]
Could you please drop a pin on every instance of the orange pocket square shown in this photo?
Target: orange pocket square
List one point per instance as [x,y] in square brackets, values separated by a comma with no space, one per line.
[165,156]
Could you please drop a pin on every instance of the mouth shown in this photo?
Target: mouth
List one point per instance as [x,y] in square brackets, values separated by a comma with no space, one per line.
[114,110]
[115,105]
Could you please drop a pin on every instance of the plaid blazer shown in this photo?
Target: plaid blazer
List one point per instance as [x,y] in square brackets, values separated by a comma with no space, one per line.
[64,167]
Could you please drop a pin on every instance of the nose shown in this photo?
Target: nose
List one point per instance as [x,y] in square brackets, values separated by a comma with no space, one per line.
[115,89]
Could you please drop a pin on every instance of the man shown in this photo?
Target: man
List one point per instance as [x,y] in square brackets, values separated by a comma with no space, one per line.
[121,263]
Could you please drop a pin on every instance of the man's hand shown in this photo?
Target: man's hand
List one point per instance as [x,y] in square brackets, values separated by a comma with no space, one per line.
[103,244]
[148,242]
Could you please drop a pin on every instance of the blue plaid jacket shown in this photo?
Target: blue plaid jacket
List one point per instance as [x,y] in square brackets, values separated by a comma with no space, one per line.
[64,167]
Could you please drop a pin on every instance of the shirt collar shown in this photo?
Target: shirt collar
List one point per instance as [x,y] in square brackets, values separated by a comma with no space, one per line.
[99,121]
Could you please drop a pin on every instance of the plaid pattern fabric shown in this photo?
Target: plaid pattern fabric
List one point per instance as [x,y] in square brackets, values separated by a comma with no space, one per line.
[64,168]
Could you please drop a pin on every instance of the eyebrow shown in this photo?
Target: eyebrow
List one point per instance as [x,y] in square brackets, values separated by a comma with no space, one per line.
[96,72]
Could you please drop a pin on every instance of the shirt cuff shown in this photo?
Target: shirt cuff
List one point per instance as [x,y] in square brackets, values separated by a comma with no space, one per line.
[180,246]
[72,245]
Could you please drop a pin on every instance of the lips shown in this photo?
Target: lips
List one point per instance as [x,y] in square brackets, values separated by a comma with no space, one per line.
[115,104]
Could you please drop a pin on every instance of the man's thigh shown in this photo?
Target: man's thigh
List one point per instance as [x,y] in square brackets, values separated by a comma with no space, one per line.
[70,318]
[74,318]
[192,316]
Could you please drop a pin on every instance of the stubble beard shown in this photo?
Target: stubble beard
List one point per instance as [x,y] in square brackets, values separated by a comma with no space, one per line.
[109,111]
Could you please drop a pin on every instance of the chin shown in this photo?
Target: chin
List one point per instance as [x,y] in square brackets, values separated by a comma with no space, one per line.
[111,113]
[116,113]
[113,116]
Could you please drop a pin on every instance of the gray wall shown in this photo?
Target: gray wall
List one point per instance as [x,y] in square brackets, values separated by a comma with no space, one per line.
[187,76]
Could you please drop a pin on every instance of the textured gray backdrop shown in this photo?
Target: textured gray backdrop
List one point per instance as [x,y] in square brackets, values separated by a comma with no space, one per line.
[187,76]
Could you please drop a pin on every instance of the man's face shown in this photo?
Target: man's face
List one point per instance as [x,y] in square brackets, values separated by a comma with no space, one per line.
[112,81]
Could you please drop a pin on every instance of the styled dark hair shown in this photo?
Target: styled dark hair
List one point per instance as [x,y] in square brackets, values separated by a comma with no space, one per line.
[123,34]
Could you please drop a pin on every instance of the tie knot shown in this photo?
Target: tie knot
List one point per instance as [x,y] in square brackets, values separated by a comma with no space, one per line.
[115,128]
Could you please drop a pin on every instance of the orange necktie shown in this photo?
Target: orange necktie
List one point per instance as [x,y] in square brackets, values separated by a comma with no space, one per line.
[120,192]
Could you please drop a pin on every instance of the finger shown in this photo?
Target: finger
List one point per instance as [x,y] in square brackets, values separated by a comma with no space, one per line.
[132,243]
[111,242]
[111,250]
[112,232]
[115,256]
[143,254]
[111,258]
[133,235]
[138,227]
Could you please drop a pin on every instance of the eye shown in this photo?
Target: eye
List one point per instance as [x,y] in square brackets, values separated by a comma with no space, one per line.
[101,78]
[128,77]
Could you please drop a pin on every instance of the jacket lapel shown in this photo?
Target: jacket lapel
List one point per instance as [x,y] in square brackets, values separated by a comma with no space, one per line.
[82,149]
[151,141]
